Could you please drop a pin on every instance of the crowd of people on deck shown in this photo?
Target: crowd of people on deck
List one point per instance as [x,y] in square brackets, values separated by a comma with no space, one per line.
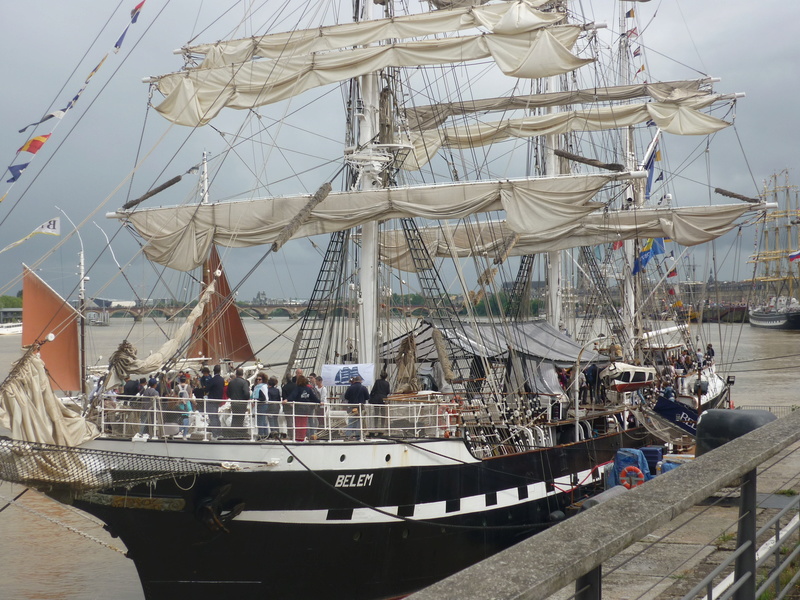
[590,387]
[227,402]
[671,379]
[681,364]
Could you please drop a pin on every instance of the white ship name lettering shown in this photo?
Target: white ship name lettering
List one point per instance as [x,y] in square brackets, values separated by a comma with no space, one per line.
[363,480]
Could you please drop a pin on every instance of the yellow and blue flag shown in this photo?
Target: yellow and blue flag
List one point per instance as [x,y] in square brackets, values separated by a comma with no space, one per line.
[653,247]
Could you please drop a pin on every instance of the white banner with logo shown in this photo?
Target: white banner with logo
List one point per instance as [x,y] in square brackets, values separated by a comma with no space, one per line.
[51,227]
[342,374]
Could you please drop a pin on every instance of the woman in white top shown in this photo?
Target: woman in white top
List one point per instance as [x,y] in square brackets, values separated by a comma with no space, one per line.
[321,412]
[260,396]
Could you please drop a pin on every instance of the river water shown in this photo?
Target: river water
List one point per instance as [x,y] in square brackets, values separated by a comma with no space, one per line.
[51,551]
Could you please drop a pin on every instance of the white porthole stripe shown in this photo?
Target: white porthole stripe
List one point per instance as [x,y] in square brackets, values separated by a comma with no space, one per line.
[422,512]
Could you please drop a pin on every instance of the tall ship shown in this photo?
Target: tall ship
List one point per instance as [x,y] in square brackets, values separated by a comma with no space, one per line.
[775,282]
[443,157]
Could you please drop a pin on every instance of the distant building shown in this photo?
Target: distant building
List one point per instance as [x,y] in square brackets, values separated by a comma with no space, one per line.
[10,315]
[106,303]
[261,299]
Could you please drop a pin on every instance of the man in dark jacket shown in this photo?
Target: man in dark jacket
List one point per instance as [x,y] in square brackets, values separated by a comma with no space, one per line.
[377,396]
[592,376]
[355,397]
[130,389]
[205,381]
[239,395]
[288,386]
[214,391]
[287,389]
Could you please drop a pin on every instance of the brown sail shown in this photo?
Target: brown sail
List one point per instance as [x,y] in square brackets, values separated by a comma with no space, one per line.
[219,333]
[45,312]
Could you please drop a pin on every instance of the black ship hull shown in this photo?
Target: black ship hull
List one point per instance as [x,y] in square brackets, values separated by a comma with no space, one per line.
[775,320]
[352,521]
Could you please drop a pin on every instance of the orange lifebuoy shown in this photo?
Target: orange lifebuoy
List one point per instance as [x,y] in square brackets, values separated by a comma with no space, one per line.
[631,477]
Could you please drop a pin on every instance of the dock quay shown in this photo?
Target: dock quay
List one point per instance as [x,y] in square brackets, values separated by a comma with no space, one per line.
[658,541]
[669,562]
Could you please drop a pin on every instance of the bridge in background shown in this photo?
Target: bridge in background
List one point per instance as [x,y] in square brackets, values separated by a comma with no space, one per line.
[258,311]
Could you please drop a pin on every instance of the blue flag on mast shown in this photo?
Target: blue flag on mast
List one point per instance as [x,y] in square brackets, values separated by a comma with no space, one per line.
[16,171]
[653,247]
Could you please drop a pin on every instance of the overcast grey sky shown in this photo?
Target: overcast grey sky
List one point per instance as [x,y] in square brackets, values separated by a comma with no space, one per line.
[753,47]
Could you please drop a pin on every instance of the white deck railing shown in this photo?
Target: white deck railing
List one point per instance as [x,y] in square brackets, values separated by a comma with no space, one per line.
[328,422]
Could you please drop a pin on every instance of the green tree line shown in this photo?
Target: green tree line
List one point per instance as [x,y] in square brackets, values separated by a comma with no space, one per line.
[11,301]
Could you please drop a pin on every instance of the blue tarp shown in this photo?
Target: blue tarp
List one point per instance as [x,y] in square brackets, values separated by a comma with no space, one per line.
[668,466]
[627,457]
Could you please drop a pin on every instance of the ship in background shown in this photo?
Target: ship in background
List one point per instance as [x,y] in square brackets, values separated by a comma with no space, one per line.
[777,262]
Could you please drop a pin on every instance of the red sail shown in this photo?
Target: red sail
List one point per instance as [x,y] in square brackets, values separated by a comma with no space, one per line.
[219,333]
[45,312]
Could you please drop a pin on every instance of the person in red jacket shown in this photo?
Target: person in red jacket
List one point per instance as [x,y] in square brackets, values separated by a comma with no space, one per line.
[304,399]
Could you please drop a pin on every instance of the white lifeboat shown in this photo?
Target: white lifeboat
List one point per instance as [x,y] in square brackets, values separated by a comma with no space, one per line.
[622,377]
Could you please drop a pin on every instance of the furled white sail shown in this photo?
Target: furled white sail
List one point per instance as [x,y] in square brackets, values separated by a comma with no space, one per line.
[126,363]
[179,237]
[451,3]
[677,118]
[687,226]
[431,116]
[510,17]
[487,238]
[195,97]
[30,409]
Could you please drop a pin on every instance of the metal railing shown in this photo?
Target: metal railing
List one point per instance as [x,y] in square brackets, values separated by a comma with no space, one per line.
[159,418]
[770,551]
[575,550]
[491,429]
[778,411]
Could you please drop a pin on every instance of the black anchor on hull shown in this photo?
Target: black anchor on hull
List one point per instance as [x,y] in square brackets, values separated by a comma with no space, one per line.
[216,513]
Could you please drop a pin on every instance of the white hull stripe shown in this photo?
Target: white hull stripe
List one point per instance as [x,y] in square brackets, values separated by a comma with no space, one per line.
[421,512]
